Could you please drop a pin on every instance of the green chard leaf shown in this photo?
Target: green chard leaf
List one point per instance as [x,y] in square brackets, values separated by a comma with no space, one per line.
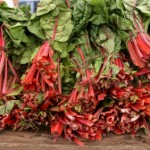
[16,91]
[98,63]
[17,34]
[8,106]
[35,28]
[108,101]
[100,15]
[29,54]
[81,14]
[64,26]
[44,7]
[14,14]
[121,22]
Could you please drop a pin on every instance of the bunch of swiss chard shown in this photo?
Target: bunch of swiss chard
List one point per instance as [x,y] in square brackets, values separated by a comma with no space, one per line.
[77,68]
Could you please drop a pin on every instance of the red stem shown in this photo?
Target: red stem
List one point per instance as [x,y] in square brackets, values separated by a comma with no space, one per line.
[97,114]
[45,105]
[137,50]
[2,42]
[51,61]
[43,85]
[68,115]
[57,128]
[73,96]
[63,100]
[143,46]
[4,89]
[141,23]
[85,122]
[30,75]
[135,22]
[134,56]
[37,80]
[68,3]
[10,88]
[119,63]
[55,28]
[2,58]
[37,77]
[91,91]
[30,104]
[0,84]
[81,53]
[145,39]
[83,59]
[49,83]
[10,83]
[12,69]
[101,69]
[43,51]
[59,79]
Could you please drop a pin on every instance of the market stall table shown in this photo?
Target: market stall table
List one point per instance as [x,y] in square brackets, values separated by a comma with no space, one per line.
[11,140]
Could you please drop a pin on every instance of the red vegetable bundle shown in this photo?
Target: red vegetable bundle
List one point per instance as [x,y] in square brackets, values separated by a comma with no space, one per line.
[139,46]
[41,78]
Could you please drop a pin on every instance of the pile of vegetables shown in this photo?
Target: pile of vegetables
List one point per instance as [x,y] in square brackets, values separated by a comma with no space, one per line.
[77,68]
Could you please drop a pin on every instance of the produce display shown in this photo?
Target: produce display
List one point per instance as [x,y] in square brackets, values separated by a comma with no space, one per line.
[76,68]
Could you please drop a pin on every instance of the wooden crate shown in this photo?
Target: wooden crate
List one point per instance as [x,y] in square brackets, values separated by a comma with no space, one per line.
[12,140]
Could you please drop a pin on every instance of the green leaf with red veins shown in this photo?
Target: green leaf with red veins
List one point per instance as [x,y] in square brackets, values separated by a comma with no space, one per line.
[64,26]
[107,39]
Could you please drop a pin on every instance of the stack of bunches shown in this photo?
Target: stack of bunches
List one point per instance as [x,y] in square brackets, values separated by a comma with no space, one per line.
[76,68]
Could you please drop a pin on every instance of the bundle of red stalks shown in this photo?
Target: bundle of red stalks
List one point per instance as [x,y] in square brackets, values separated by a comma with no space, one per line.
[98,103]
